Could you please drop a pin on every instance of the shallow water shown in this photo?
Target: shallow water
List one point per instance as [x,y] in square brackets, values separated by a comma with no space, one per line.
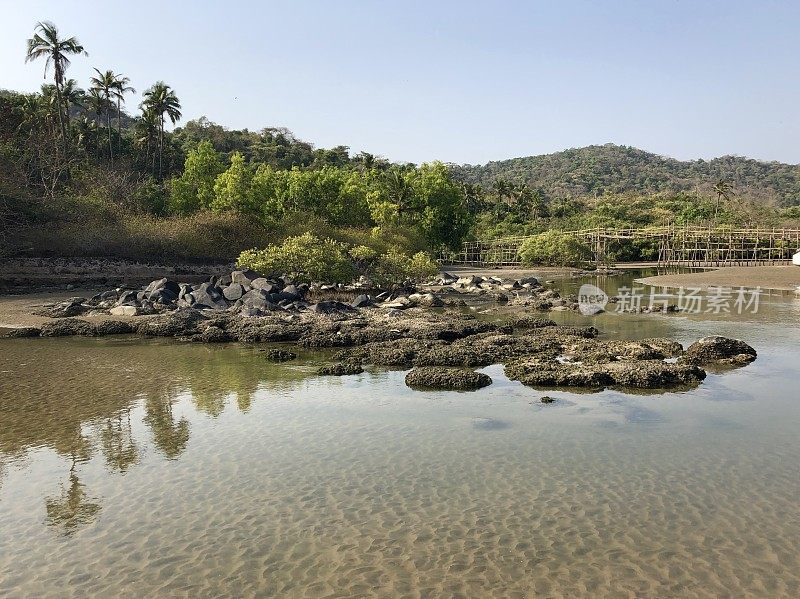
[146,468]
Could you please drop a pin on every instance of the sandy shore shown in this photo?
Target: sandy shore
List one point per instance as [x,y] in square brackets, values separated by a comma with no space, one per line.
[780,278]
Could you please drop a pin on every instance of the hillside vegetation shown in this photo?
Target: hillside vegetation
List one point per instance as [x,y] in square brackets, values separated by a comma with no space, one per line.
[612,169]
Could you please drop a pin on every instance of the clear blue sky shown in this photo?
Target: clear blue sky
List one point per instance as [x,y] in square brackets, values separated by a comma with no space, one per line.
[457,81]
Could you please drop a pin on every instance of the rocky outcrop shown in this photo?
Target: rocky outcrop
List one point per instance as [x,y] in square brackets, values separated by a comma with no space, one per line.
[340,369]
[719,350]
[457,379]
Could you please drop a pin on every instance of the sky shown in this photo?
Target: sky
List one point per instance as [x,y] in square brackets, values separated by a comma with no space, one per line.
[458,81]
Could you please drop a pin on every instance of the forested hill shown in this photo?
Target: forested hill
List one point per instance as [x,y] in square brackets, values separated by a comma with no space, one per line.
[595,170]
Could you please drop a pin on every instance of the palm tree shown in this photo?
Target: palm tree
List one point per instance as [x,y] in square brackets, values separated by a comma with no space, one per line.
[400,192]
[72,96]
[97,103]
[121,88]
[105,84]
[161,100]
[46,43]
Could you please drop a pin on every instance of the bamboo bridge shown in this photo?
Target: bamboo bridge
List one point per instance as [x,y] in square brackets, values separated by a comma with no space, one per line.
[668,246]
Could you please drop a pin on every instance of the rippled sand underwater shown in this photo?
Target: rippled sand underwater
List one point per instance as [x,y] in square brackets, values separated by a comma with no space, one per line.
[148,469]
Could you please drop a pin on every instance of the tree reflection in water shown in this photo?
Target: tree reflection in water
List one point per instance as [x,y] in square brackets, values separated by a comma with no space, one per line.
[74,507]
[170,437]
[117,442]
[92,402]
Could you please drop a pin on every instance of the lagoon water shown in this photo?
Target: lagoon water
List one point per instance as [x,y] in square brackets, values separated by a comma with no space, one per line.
[149,468]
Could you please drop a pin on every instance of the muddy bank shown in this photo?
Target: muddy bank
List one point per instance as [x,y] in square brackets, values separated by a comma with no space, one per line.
[779,278]
[22,275]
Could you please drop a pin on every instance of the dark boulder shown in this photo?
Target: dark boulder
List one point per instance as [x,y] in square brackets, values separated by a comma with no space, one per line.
[265,285]
[164,283]
[233,292]
[719,350]
[340,369]
[210,296]
[244,277]
[528,281]
[362,301]
[434,377]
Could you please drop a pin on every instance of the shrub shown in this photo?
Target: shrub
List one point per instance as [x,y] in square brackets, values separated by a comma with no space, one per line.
[554,248]
[304,257]
[395,268]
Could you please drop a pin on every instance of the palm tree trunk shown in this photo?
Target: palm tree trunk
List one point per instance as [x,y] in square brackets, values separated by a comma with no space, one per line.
[119,127]
[161,148]
[108,127]
[61,116]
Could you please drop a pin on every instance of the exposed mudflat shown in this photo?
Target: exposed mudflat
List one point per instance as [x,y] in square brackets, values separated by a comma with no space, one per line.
[779,278]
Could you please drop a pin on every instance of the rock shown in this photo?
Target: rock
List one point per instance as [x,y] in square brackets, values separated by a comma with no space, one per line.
[213,334]
[209,296]
[66,328]
[180,323]
[425,299]
[124,311]
[164,283]
[399,303]
[447,279]
[113,327]
[23,332]
[128,298]
[340,369]
[362,301]
[244,277]
[279,355]
[66,309]
[434,377]
[469,281]
[331,307]
[233,292]
[528,282]
[163,296]
[547,399]
[640,374]
[265,285]
[719,350]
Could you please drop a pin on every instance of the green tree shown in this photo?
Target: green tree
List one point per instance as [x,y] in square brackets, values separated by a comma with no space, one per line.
[445,220]
[232,187]
[47,44]
[194,189]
